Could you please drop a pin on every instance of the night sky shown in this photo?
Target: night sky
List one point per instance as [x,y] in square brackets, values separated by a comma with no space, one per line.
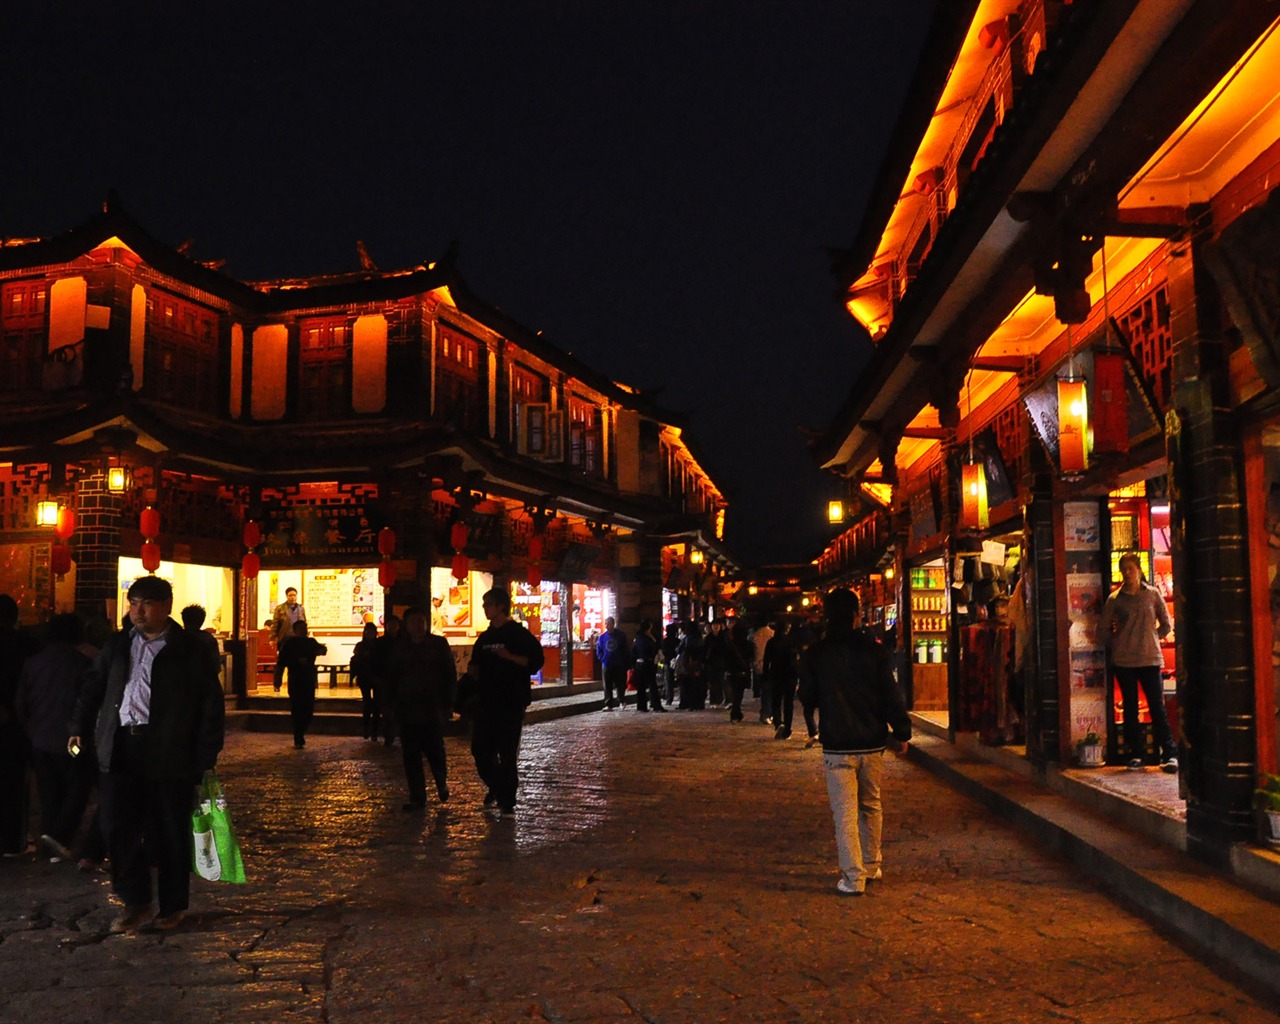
[650,184]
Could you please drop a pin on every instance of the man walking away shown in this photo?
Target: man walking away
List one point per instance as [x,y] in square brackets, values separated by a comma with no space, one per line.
[423,679]
[154,706]
[504,657]
[848,677]
[297,660]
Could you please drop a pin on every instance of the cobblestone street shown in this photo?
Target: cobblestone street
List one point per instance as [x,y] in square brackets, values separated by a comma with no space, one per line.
[661,868]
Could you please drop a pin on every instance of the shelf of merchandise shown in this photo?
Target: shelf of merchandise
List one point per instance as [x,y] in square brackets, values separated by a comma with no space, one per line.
[928,596]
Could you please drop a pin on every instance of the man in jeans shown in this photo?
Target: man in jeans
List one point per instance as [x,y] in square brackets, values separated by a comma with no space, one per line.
[848,677]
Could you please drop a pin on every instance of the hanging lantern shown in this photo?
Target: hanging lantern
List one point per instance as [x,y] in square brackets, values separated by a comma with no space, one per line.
[534,576]
[386,574]
[386,542]
[1073,426]
[66,524]
[535,548]
[150,555]
[1110,403]
[974,514]
[60,559]
[458,536]
[461,566]
[149,523]
[250,565]
[46,513]
[252,534]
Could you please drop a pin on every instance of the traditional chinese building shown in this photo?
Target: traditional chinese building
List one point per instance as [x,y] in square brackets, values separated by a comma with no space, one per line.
[1068,271]
[375,439]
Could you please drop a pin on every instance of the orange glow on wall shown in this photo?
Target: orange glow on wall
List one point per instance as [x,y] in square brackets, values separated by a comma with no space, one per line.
[68,307]
[270,366]
[137,333]
[237,371]
[1073,426]
[369,364]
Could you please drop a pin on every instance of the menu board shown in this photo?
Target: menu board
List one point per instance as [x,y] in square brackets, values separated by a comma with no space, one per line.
[340,597]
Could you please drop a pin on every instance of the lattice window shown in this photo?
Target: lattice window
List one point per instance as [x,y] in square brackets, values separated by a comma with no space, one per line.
[1011,428]
[585,437]
[182,352]
[1150,335]
[324,355]
[23,336]
[458,396]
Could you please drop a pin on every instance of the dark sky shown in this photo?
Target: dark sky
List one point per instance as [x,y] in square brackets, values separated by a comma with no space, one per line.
[648,183]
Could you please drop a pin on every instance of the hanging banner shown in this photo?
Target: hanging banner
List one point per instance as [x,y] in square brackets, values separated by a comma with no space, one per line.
[1110,403]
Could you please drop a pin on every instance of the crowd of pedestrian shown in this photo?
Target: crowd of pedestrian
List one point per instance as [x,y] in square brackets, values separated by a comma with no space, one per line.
[139,713]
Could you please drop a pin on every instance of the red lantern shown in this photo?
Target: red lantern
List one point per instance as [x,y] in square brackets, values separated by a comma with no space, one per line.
[60,559]
[1110,403]
[250,565]
[535,548]
[458,536]
[386,542]
[66,524]
[386,574]
[252,534]
[150,555]
[460,566]
[534,577]
[149,523]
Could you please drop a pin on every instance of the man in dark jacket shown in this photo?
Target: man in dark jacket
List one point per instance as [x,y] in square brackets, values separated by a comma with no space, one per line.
[155,709]
[504,657]
[423,677]
[849,678]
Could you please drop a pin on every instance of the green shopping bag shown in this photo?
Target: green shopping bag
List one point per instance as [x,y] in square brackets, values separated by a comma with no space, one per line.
[217,853]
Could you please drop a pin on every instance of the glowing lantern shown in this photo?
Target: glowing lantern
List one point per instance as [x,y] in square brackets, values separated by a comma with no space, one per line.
[461,566]
[46,513]
[150,555]
[250,565]
[386,542]
[1073,426]
[117,479]
[149,523]
[60,559]
[458,536]
[66,524]
[973,498]
[386,574]
[835,512]
[252,534]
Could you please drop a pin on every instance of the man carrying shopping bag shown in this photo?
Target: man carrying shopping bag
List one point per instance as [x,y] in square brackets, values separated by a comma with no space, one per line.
[154,705]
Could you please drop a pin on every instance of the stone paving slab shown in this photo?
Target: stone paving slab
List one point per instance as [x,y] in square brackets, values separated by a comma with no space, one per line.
[661,869]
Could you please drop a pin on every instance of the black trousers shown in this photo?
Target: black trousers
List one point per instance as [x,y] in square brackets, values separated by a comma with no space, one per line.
[13,788]
[64,790]
[735,685]
[495,745]
[646,680]
[147,821]
[784,701]
[1148,677]
[416,740]
[302,707]
[615,683]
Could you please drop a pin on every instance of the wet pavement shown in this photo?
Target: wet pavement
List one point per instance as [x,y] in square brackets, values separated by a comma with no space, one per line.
[661,868]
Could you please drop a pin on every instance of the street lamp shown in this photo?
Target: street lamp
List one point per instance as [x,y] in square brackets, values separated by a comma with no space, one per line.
[117,479]
[835,511]
[695,557]
[47,513]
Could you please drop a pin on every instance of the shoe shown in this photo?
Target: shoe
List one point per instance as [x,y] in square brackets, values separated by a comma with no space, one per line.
[1170,766]
[168,922]
[659,707]
[490,800]
[811,742]
[413,805]
[875,877]
[782,733]
[845,889]
[1135,765]
[607,707]
[58,853]
[131,919]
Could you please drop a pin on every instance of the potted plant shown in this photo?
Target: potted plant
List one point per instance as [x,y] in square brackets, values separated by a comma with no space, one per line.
[1266,798]
[1090,751]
